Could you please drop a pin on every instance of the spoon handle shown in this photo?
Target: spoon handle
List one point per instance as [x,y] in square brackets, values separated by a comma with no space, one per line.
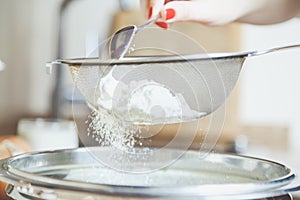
[149,22]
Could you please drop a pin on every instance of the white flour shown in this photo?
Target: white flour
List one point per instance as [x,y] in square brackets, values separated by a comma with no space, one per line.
[123,102]
[141,101]
[109,131]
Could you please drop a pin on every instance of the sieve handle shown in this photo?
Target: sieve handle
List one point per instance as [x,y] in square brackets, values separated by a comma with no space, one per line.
[258,53]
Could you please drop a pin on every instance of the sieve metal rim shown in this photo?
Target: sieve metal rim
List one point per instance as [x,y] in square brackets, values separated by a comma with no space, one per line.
[151,59]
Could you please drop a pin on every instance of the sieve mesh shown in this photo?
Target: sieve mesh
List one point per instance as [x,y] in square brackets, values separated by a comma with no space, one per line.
[198,87]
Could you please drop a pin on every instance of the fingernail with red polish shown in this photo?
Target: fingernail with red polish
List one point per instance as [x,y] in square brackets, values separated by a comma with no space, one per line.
[150,12]
[170,13]
[162,25]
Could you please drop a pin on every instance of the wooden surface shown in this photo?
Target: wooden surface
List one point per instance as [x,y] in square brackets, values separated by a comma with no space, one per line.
[5,152]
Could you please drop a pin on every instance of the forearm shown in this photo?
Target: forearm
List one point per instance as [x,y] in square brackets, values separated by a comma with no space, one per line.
[271,11]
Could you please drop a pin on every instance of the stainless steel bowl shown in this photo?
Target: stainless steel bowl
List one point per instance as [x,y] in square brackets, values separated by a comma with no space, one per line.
[78,174]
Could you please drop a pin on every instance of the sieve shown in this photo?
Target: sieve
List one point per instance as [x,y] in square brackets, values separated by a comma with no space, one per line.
[187,87]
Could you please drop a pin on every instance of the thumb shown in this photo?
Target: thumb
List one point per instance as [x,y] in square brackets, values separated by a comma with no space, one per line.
[153,7]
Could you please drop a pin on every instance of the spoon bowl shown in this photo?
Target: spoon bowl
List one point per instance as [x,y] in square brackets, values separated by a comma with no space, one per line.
[121,40]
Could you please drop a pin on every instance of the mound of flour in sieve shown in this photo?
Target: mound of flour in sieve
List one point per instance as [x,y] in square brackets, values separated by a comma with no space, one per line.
[143,101]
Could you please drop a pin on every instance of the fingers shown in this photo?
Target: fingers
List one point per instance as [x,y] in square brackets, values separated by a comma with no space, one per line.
[208,12]
[219,12]
[153,7]
[179,11]
[174,11]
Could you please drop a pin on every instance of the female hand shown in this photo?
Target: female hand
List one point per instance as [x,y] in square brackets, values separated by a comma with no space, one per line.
[219,12]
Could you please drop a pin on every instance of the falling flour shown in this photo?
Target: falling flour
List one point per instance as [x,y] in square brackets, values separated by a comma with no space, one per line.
[107,130]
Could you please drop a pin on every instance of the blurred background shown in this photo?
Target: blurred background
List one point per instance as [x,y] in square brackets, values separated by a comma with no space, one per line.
[262,113]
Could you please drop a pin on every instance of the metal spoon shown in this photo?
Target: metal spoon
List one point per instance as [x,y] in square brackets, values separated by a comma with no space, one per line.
[121,40]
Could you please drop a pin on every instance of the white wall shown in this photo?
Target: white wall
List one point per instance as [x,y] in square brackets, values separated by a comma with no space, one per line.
[25,41]
[270,89]
[28,39]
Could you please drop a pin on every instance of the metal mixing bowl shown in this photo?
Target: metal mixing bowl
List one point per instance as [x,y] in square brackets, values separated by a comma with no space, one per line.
[79,174]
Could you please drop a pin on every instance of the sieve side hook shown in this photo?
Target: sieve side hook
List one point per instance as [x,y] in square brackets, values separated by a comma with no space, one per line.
[2,65]
[49,66]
